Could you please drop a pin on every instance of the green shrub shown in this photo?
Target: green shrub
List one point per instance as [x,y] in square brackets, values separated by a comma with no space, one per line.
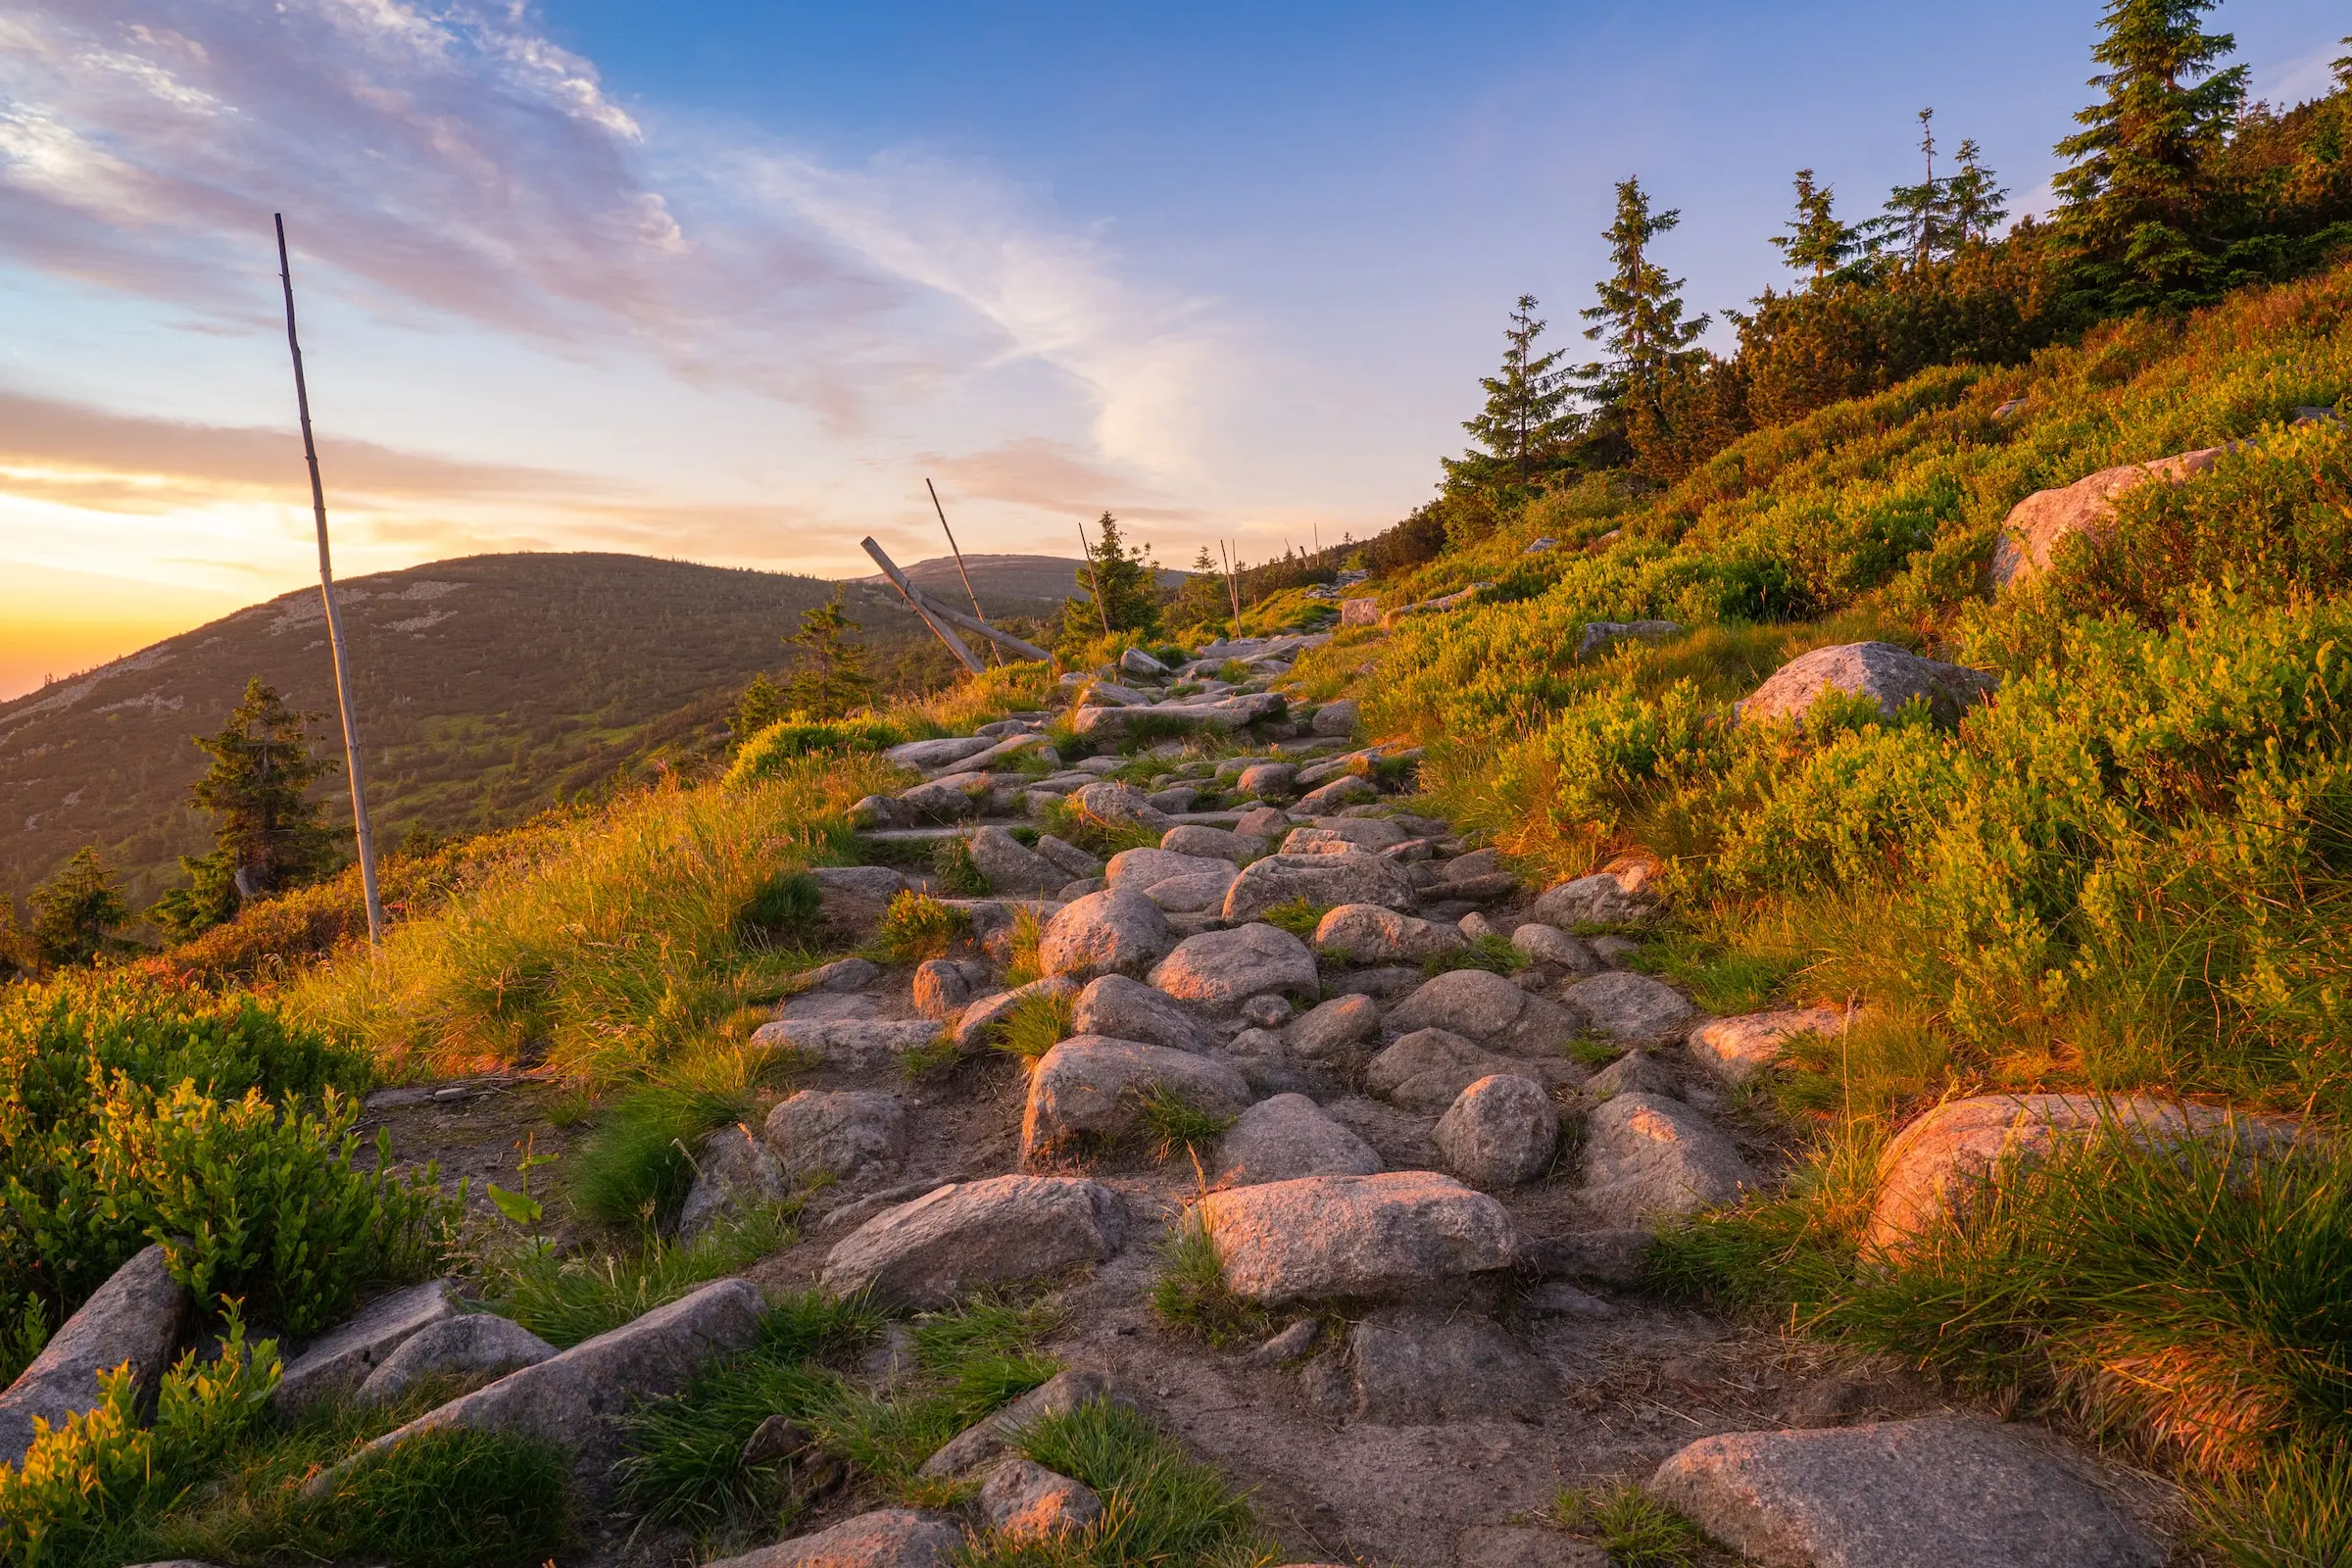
[638,1165]
[766,754]
[917,927]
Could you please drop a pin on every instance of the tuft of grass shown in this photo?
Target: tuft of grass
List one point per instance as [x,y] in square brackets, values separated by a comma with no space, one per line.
[1721,979]
[1159,1507]
[1493,954]
[917,927]
[2295,1510]
[638,1166]
[953,865]
[1175,1123]
[1072,823]
[1593,1051]
[564,1301]
[1028,936]
[1299,916]
[1191,1292]
[782,909]
[939,1054]
[1036,1024]
[441,1499]
[1635,1529]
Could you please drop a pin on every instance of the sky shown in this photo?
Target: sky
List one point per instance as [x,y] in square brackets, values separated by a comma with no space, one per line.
[727,282]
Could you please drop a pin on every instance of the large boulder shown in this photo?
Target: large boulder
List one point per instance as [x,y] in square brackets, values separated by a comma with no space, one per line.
[1352,877]
[134,1318]
[1942,1491]
[1601,634]
[1887,675]
[1336,719]
[1262,779]
[838,1132]
[571,1400]
[2036,524]
[945,799]
[1929,1176]
[1371,933]
[1415,1367]
[887,1537]
[1735,1049]
[1129,1009]
[1630,1008]
[1121,805]
[1500,1132]
[1333,1026]
[1287,1137]
[1090,1086]
[1647,1158]
[340,1359]
[853,897]
[1428,1069]
[1221,969]
[1115,931]
[461,1346]
[1330,1236]
[1010,865]
[963,1235]
[1485,1006]
[854,1045]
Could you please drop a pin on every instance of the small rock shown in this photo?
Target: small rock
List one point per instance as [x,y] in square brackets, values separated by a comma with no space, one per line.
[1261,823]
[1636,1072]
[842,974]
[1489,1008]
[1887,675]
[854,1045]
[1596,900]
[888,1538]
[1387,982]
[340,1359]
[1352,877]
[1942,1491]
[779,1437]
[1010,865]
[1201,893]
[924,755]
[1428,1069]
[1500,1132]
[2035,525]
[1370,933]
[1735,1049]
[1262,779]
[1115,931]
[1023,1501]
[1326,1236]
[1134,661]
[1628,1007]
[455,1346]
[1333,1026]
[1547,944]
[1345,790]
[1364,832]
[1648,1157]
[840,1133]
[734,1174]
[1336,719]
[1128,1009]
[1074,861]
[972,1234]
[1219,970]
[134,1318]
[1209,842]
[1292,1344]
[1614,951]
[1091,1085]
[1287,1136]
[939,989]
[1414,1368]
[985,1440]
[1600,634]
[852,897]
[1267,1012]
[1559,1299]
[945,799]
[1112,803]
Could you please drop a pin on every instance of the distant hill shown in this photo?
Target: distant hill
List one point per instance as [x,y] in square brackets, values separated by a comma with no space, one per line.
[488,687]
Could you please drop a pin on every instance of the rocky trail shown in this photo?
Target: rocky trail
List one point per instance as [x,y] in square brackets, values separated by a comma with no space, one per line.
[1427,1141]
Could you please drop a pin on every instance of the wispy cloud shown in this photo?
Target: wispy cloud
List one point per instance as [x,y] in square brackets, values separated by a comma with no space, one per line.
[1048,476]
[448,160]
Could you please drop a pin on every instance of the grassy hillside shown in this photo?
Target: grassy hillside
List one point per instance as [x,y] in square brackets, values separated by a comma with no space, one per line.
[489,687]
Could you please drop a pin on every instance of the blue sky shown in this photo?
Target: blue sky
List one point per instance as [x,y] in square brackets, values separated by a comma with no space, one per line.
[725,281]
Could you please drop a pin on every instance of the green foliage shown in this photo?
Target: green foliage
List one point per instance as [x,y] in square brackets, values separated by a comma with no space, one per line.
[1299,916]
[1635,1529]
[267,833]
[1072,823]
[830,681]
[784,908]
[953,867]
[917,927]
[452,1498]
[1494,954]
[1122,594]
[1174,1123]
[1190,1294]
[766,754]
[74,912]
[567,1299]
[1527,421]
[638,1165]
[120,1094]
[758,705]
[21,1338]
[1036,1024]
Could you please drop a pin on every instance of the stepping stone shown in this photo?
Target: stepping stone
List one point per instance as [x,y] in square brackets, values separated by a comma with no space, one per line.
[462,1346]
[1429,1068]
[1938,1493]
[1327,1236]
[1333,1026]
[340,1359]
[1412,1367]
[856,1045]
[1630,1008]
[1352,877]
[1115,931]
[1601,899]
[1482,1005]
[1287,1136]
[1500,1132]
[1129,1009]
[1219,970]
[1090,1086]
[1648,1157]
[838,1132]
[1371,933]
[963,1235]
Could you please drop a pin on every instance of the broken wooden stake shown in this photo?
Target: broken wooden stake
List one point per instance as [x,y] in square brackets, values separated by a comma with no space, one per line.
[938,617]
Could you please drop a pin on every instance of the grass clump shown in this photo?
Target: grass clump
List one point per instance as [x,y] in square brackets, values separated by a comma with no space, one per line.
[1174,1123]
[952,865]
[1036,1024]
[1299,916]
[567,1299]
[1635,1529]
[1028,939]
[639,1165]
[1490,952]
[1191,1292]
[782,909]
[1072,823]
[917,927]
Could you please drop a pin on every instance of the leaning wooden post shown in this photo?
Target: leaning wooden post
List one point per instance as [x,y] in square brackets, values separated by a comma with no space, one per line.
[977,612]
[334,621]
[1093,575]
[924,609]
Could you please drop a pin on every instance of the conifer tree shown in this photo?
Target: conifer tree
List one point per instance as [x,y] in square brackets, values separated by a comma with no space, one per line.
[74,912]
[1816,242]
[1640,316]
[831,681]
[15,948]
[1526,418]
[1915,221]
[1973,198]
[757,706]
[267,834]
[1127,583]
[2137,178]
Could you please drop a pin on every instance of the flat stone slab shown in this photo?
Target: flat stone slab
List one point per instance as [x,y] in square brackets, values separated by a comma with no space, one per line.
[1936,1492]
[1325,1235]
[1735,1049]
[136,1317]
[859,1045]
[965,1235]
[340,1359]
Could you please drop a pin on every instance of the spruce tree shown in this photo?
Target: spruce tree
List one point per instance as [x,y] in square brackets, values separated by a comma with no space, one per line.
[1816,242]
[1526,418]
[831,681]
[1640,316]
[1126,581]
[74,912]
[1973,198]
[756,706]
[2137,181]
[1915,221]
[267,834]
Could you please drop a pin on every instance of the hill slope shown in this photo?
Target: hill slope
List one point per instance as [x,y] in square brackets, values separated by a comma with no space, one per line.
[488,687]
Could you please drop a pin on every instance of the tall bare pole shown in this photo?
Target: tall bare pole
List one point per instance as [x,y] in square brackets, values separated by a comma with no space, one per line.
[1232,587]
[334,621]
[1094,575]
[977,612]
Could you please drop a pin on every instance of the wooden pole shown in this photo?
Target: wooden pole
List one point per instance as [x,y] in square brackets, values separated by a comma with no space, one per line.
[933,611]
[1093,575]
[978,613]
[334,621]
[1232,589]
[923,608]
